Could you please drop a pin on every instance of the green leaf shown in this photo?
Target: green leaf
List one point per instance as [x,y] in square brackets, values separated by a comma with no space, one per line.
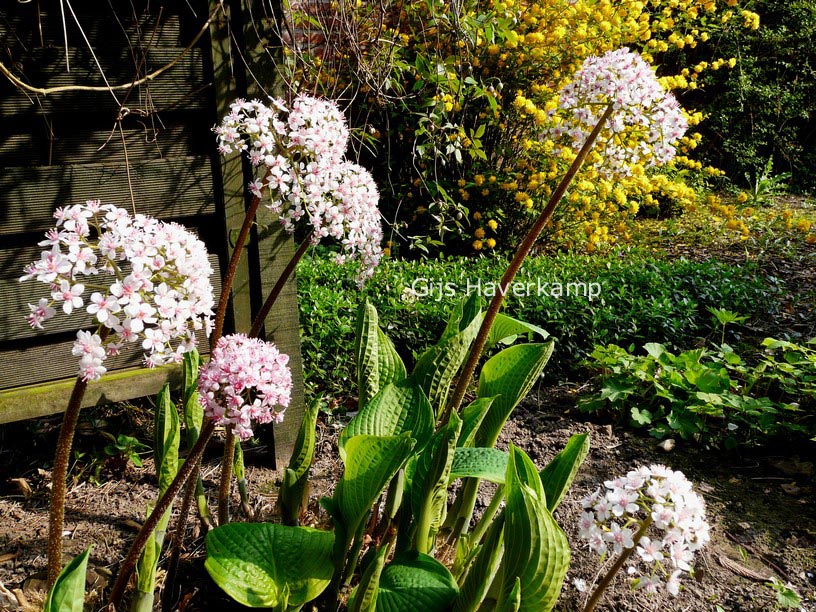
[472,417]
[641,417]
[505,330]
[68,592]
[364,597]
[485,566]
[390,367]
[396,409]
[166,439]
[437,366]
[296,475]
[429,483]
[193,411]
[508,376]
[303,451]
[536,548]
[487,463]
[414,581]
[557,477]
[370,462]
[365,350]
[265,565]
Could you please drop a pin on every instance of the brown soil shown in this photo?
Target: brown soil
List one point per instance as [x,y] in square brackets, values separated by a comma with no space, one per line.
[761,508]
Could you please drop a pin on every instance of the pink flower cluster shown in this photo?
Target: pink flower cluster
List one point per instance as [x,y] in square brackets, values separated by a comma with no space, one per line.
[149,282]
[646,122]
[302,150]
[665,498]
[245,380]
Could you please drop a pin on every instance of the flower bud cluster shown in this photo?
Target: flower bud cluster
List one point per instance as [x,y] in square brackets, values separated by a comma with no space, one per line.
[245,380]
[646,121]
[303,150]
[149,282]
[660,498]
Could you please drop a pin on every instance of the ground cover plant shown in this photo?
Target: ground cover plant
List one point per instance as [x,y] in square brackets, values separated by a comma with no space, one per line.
[641,297]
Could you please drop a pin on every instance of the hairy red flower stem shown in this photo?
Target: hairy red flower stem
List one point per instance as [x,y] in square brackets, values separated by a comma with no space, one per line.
[226,477]
[229,277]
[514,266]
[257,324]
[188,468]
[603,584]
[59,474]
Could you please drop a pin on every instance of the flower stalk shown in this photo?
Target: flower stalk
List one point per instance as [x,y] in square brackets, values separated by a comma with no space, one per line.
[518,259]
[607,579]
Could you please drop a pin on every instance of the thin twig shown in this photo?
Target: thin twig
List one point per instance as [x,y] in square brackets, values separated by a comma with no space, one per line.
[145,79]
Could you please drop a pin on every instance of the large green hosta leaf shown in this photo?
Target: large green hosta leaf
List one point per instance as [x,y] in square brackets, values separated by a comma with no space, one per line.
[378,362]
[557,477]
[437,366]
[370,462]
[414,581]
[395,409]
[487,463]
[536,549]
[265,565]
[509,375]
[506,329]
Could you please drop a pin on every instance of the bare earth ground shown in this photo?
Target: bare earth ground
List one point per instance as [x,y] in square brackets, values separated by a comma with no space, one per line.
[761,507]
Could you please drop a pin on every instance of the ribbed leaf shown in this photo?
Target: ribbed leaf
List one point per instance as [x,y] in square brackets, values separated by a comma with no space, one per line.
[536,549]
[481,573]
[297,473]
[390,367]
[68,592]
[166,439]
[193,411]
[472,417]
[506,329]
[429,483]
[509,375]
[557,477]
[370,462]
[365,350]
[487,463]
[413,581]
[396,409]
[437,366]
[265,565]
[364,597]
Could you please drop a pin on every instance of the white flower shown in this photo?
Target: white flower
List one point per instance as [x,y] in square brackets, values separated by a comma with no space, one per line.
[665,498]
[156,277]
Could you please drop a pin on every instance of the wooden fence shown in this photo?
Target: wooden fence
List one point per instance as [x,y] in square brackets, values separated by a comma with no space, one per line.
[146,147]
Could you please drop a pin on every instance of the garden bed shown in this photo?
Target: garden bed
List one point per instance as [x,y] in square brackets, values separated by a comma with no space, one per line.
[761,506]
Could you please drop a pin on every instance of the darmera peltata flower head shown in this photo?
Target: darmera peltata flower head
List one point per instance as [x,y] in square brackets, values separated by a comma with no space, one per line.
[143,280]
[646,121]
[246,380]
[674,515]
[301,149]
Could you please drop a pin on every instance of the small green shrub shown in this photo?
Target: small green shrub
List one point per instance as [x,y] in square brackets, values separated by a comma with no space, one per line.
[709,394]
[641,299]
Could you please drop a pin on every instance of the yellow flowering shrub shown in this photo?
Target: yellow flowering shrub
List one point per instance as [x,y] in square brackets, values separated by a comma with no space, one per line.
[456,98]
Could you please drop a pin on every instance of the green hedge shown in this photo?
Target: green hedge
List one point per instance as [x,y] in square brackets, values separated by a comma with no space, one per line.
[642,299]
